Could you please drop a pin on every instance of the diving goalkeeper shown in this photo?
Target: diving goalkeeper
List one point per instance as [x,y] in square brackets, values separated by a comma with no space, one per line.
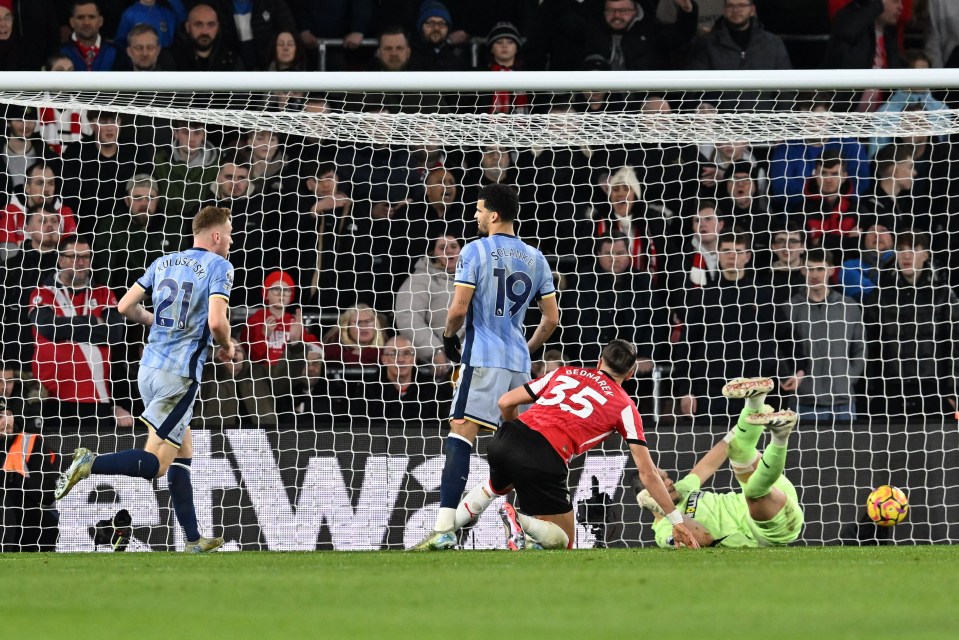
[767,511]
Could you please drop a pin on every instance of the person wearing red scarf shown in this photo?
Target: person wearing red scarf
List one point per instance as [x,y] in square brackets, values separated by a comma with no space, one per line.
[504,42]
[829,204]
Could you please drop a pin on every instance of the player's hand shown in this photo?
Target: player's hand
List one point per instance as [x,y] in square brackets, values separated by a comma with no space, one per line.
[687,405]
[227,350]
[451,346]
[683,538]
[792,382]
[352,40]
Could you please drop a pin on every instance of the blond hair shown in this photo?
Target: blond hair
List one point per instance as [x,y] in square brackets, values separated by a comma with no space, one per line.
[209,217]
[341,332]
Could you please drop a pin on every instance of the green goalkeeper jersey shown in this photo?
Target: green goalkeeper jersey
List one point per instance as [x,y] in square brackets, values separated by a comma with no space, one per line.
[725,515]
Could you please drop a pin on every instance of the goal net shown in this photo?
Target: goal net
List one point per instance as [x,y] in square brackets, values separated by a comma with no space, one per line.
[797,225]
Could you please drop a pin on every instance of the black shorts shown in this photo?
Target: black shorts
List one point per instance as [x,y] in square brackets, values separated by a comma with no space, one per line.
[522,457]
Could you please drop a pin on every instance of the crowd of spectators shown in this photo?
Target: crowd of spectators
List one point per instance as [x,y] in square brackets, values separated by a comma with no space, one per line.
[829,264]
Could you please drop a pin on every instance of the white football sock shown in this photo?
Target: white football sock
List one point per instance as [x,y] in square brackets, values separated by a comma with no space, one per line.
[474,503]
[547,534]
[445,519]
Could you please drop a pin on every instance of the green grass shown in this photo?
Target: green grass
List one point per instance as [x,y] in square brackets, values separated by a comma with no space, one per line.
[810,593]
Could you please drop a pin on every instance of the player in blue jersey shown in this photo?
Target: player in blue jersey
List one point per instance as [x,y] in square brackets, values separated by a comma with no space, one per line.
[497,278]
[190,295]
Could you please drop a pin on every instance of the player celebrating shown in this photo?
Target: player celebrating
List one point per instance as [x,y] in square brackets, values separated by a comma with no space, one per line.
[575,409]
[497,277]
[767,512]
[190,291]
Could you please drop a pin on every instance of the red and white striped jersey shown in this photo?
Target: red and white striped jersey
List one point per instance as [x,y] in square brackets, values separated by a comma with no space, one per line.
[73,371]
[578,408]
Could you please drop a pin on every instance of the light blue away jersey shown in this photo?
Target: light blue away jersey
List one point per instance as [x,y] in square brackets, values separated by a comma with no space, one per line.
[181,285]
[507,275]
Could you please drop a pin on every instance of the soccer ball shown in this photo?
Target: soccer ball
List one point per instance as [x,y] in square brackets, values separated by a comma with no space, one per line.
[887,506]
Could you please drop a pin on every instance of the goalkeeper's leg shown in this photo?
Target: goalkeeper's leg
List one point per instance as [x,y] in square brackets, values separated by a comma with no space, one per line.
[742,439]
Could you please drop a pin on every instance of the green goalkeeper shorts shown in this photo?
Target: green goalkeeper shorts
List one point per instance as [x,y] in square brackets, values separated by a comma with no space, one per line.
[786,525]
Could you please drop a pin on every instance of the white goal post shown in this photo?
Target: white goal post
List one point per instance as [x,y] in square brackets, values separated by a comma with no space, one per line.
[296,443]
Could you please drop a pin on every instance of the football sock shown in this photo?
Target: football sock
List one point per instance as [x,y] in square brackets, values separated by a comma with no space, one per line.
[742,448]
[456,471]
[181,495]
[547,534]
[135,463]
[770,467]
[474,504]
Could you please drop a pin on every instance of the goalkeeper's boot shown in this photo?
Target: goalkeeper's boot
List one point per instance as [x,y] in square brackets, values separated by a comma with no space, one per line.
[781,423]
[647,502]
[78,470]
[742,388]
[203,545]
[436,541]
[515,536]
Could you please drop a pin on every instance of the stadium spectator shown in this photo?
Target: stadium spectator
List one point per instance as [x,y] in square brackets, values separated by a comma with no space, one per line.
[34,32]
[485,166]
[942,37]
[788,246]
[39,194]
[29,468]
[10,46]
[864,37]
[556,35]
[503,43]
[186,168]
[692,259]
[22,147]
[137,233]
[357,338]
[729,333]
[631,38]
[739,41]
[59,127]
[829,205]
[723,154]
[441,213]
[324,215]
[268,335]
[613,301]
[96,169]
[403,392]
[163,16]
[229,397]
[431,49]
[423,299]
[791,162]
[144,53]
[87,48]
[287,53]
[629,215]
[743,205]
[393,50]
[860,274]
[349,20]
[912,321]
[75,322]
[317,398]
[891,203]
[709,12]
[829,345]
[202,47]
[903,102]
[249,27]
[270,167]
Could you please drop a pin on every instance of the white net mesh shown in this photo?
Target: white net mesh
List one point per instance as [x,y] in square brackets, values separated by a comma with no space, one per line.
[674,224]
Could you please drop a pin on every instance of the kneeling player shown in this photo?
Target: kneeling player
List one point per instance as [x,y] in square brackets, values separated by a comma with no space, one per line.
[767,512]
[574,410]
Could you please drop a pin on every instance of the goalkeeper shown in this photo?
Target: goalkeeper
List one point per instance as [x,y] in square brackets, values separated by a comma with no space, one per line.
[767,511]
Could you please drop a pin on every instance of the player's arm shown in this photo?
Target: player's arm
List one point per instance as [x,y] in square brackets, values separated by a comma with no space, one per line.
[455,317]
[711,462]
[511,400]
[548,322]
[649,476]
[219,321]
[131,308]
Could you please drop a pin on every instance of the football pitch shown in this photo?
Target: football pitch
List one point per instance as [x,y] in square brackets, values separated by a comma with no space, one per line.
[617,593]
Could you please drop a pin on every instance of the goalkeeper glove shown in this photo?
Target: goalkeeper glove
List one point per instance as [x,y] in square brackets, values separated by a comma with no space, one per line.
[451,346]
